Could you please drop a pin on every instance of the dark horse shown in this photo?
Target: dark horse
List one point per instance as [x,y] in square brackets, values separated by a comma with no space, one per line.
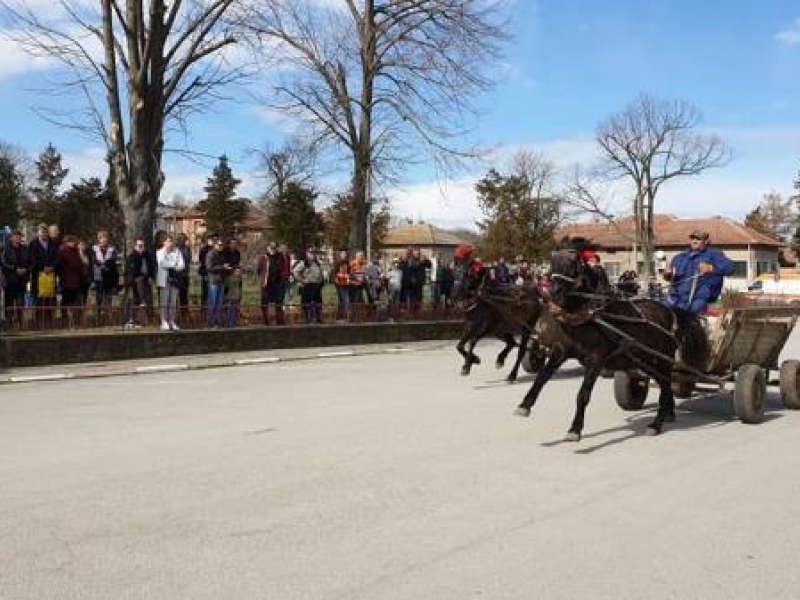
[503,311]
[640,336]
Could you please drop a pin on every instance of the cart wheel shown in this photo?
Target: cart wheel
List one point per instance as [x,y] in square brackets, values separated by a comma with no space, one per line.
[749,394]
[630,392]
[534,359]
[790,384]
[682,387]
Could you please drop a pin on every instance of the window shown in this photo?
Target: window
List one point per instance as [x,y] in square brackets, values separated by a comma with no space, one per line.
[613,269]
[766,266]
[739,268]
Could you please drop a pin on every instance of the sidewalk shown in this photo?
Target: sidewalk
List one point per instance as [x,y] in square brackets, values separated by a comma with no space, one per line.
[206,361]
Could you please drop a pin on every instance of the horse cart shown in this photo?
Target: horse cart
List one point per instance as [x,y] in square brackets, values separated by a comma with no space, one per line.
[745,342]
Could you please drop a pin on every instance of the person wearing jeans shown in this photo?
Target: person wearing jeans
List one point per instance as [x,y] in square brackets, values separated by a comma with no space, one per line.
[217,269]
[169,279]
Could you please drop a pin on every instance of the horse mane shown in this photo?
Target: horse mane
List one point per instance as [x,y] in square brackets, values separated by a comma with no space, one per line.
[692,339]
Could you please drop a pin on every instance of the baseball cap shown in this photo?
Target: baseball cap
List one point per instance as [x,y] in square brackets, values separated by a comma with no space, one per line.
[699,234]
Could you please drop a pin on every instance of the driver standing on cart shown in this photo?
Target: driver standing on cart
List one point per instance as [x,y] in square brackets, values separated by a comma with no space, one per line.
[696,275]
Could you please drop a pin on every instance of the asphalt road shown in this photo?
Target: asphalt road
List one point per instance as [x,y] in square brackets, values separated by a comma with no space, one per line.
[387,476]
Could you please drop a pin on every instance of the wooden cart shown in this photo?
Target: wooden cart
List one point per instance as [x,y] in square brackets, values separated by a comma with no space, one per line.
[746,341]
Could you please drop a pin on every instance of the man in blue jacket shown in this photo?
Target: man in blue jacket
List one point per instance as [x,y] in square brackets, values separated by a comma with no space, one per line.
[697,274]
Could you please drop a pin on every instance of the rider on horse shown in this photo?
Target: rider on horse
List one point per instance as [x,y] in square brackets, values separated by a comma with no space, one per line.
[472,269]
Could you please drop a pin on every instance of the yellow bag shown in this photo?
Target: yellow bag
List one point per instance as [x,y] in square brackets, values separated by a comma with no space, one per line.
[47,285]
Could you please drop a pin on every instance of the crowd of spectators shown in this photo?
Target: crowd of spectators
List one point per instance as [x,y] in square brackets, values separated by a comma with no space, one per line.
[53,272]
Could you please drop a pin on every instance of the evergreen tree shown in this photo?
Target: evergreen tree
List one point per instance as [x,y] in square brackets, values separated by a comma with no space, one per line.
[222,210]
[294,220]
[521,216]
[11,192]
[338,219]
[50,175]
[87,207]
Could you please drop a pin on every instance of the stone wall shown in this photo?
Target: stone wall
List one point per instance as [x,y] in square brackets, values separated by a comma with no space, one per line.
[56,349]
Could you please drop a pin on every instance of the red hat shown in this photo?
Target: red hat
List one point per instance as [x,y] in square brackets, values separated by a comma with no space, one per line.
[463,250]
[588,253]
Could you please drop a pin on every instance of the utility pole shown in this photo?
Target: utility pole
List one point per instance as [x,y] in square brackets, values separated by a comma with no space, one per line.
[368,202]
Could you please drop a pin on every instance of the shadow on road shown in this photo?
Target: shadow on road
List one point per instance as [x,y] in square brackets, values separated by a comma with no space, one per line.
[700,412]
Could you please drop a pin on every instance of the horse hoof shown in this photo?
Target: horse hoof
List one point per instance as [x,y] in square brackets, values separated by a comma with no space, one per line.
[572,436]
[476,360]
[465,371]
[511,379]
[499,365]
[522,411]
[651,431]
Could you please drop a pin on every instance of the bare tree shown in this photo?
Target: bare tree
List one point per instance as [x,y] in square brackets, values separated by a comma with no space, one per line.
[390,82]
[293,162]
[154,63]
[649,143]
[779,215]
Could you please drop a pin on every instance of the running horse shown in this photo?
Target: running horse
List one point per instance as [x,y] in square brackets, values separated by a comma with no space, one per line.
[503,311]
[633,335]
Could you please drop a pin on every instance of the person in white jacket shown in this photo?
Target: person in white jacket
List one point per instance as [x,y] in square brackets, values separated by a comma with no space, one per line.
[170,274]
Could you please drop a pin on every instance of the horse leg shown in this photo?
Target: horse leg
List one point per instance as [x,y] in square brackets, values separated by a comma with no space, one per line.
[460,346]
[554,361]
[666,398]
[666,406]
[524,338]
[473,332]
[592,372]
[511,343]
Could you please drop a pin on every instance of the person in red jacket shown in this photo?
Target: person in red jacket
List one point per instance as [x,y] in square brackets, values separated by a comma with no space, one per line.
[69,268]
[472,270]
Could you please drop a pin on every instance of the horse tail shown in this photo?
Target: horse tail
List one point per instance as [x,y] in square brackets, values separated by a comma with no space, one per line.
[692,339]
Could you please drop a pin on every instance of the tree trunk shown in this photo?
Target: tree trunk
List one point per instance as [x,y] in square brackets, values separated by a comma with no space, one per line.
[358,227]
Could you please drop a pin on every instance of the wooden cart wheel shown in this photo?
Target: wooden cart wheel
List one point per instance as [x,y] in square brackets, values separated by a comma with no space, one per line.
[682,387]
[749,394]
[534,359]
[790,384]
[630,392]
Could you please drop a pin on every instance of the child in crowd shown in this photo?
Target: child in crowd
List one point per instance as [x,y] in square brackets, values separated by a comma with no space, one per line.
[233,296]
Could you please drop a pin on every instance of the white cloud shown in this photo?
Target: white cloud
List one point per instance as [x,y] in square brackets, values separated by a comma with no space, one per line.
[765,161]
[791,35]
[276,118]
[16,60]
[450,203]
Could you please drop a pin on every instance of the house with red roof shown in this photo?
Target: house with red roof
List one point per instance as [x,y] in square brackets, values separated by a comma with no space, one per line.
[752,252]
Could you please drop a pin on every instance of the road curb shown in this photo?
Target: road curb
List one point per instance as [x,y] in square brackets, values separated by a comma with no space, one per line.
[124,371]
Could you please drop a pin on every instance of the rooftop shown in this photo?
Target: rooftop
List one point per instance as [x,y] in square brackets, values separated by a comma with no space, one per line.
[420,234]
[669,231]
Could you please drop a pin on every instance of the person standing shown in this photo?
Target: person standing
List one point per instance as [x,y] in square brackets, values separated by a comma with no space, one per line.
[182,244]
[16,270]
[233,296]
[341,279]
[88,270]
[106,272]
[217,270]
[140,270]
[211,242]
[69,268]
[42,253]
[287,264]
[359,291]
[270,278]
[170,272]
[308,274]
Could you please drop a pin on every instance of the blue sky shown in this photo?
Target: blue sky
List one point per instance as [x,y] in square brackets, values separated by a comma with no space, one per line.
[571,64]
